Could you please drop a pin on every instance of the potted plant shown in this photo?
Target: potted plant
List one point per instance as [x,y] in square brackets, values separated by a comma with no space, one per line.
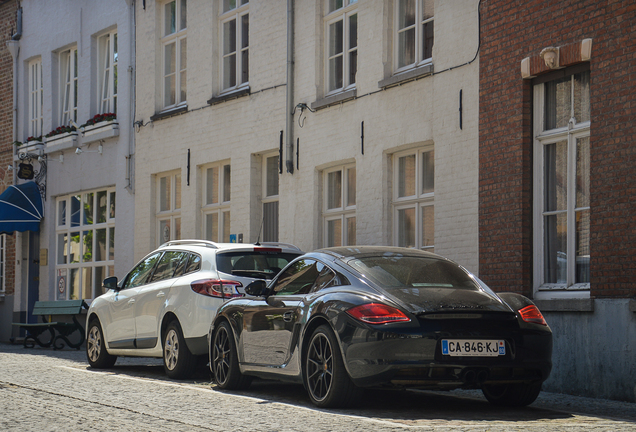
[100,126]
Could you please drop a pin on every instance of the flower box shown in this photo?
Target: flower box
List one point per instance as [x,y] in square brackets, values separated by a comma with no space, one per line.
[99,131]
[61,142]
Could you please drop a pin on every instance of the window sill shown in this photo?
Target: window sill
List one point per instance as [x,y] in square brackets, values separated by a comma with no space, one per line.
[565,305]
[169,113]
[229,96]
[61,142]
[410,75]
[334,100]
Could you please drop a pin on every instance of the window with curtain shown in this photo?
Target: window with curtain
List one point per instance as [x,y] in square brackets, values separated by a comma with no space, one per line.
[562,182]
[414,199]
[413,33]
[339,206]
[216,201]
[108,59]
[341,43]
[168,207]
[235,43]
[174,44]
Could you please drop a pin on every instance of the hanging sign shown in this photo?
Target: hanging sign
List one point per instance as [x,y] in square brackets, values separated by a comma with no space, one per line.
[25,171]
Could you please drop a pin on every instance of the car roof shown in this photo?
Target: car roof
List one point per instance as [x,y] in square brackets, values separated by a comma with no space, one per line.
[197,244]
[347,252]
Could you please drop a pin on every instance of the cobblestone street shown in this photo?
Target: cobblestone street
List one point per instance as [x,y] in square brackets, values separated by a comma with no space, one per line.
[47,390]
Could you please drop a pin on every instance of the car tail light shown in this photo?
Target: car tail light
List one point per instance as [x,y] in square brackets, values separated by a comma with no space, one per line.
[217,288]
[377,313]
[531,314]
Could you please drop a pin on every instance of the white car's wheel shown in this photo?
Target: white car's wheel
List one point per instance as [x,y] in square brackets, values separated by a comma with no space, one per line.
[96,352]
[178,361]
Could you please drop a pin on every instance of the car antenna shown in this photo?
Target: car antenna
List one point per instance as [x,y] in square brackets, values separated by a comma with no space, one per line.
[258,239]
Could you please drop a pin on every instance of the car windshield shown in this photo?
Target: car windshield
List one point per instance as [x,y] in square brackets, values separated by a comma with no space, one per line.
[254,264]
[399,271]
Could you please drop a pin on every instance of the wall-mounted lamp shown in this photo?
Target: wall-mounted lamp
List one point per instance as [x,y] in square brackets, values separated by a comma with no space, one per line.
[100,149]
[550,56]
[303,107]
[76,126]
[10,168]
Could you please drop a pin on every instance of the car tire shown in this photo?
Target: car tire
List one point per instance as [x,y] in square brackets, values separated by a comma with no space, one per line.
[96,352]
[512,395]
[178,361]
[326,379]
[224,360]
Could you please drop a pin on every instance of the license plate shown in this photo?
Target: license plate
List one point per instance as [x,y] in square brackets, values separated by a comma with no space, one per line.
[473,348]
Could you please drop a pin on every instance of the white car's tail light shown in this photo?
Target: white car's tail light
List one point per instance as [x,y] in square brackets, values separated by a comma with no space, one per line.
[217,288]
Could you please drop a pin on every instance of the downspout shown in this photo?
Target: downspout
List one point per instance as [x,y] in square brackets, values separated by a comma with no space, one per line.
[13,45]
[133,91]
[289,106]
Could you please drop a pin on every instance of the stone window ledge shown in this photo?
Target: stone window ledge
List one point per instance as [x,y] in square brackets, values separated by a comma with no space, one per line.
[229,96]
[565,305]
[169,113]
[334,100]
[410,75]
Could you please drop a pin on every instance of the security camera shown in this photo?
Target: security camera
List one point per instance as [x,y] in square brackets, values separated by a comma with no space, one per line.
[78,150]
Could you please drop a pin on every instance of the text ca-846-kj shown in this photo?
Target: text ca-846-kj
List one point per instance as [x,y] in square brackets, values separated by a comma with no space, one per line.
[341,319]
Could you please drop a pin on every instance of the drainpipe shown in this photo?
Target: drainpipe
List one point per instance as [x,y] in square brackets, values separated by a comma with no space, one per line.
[289,118]
[132,31]
[13,45]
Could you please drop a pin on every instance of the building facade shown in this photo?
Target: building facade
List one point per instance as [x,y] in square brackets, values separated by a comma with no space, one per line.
[8,28]
[74,86]
[556,183]
[328,123]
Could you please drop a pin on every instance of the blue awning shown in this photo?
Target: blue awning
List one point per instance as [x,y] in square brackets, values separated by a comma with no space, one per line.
[20,208]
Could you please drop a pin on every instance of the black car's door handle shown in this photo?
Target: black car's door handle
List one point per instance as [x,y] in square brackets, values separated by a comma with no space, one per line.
[288,316]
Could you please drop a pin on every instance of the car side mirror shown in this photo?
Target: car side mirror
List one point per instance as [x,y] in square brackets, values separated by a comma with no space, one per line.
[111,283]
[257,288]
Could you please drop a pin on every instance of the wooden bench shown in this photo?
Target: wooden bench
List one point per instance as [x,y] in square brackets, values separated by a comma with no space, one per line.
[58,331]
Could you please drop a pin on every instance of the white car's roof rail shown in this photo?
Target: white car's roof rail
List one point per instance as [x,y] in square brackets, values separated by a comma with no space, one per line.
[279,244]
[191,242]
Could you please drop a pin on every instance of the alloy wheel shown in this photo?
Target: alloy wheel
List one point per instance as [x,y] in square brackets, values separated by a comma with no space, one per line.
[171,349]
[319,367]
[221,355]
[94,343]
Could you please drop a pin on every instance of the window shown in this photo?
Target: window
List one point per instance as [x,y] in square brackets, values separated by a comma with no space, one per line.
[341,27]
[174,46]
[414,33]
[562,182]
[271,169]
[414,199]
[235,43]
[35,98]
[3,262]
[304,276]
[216,202]
[107,65]
[85,253]
[68,86]
[169,263]
[142,271]
[169,207]
[339,209]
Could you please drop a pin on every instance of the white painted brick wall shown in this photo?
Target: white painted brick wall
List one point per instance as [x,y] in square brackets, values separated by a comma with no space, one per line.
[424,111]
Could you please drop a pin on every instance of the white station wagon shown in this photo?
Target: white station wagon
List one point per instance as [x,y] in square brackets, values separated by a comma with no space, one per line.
[164,306]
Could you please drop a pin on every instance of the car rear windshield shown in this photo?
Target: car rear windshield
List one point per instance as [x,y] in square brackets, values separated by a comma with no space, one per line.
[256,264]
[399,271]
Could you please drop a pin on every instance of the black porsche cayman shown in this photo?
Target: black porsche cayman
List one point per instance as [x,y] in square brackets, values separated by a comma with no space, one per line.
[341,319]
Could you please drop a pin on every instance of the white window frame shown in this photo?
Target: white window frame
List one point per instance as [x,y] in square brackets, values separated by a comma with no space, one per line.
[3,263]
[220,208]
[348,9]
[419,24]
[420,201]
[65,249]
[108,59]
[68,86]
[570,133]
[172,211]
[273,198]
[36,93]
[179,74]
[342,213]
[234,10]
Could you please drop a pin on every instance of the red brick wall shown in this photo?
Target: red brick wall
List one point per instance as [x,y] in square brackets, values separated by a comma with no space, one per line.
[8,11]
[510,32]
